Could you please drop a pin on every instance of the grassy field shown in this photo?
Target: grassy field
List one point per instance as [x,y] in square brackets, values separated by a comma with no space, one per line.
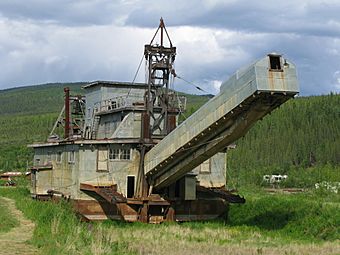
[305,223]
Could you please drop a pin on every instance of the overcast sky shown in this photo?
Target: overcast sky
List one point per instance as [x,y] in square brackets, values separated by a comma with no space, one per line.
[67,40]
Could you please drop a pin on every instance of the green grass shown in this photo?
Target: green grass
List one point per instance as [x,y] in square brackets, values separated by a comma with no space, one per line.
[266,221]
[58,230]
[7,221]
[304,216]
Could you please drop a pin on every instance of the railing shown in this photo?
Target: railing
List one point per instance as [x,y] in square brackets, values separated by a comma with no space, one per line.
[117,103]
[175,102]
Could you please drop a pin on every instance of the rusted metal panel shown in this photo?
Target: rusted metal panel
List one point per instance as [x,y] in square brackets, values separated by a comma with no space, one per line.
[199,209]
[203,209]
[109,193]
[145,126]
[171,123]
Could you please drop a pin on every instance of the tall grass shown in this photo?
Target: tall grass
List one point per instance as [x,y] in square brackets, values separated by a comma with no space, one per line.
[272,224]
[296,216]
[58,230]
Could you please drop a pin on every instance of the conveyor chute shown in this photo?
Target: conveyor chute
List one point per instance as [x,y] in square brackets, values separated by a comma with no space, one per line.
[246,97]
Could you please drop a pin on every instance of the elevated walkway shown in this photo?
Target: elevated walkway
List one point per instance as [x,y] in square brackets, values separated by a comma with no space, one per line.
[245,98]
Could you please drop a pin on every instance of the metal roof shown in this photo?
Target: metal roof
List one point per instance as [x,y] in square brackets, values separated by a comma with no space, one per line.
[115,84]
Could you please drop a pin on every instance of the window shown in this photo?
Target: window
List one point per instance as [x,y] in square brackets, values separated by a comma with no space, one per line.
[71,157]
[119,154]
[125,154]
[59,156]
[113,104]
[114,153]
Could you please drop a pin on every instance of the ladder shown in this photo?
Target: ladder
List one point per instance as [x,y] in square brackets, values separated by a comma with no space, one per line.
[95,126]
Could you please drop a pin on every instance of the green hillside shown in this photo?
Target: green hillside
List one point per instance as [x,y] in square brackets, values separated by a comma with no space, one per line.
[303,134]
[36,99]
[301,139]
[27,114]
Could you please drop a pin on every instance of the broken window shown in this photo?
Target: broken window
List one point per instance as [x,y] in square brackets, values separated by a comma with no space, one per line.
[275,62]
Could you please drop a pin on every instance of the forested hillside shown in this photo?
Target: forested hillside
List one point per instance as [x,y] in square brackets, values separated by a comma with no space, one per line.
[36,99]
[27,114]
[301,137]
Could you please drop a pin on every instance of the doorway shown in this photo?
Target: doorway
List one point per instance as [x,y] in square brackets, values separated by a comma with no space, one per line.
[130,186]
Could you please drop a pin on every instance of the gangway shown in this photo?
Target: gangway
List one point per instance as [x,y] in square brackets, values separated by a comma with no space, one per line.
[246,97]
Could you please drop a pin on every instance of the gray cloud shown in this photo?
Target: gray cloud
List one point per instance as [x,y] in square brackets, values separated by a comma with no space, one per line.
[67,12]
[303,17]
[44,41]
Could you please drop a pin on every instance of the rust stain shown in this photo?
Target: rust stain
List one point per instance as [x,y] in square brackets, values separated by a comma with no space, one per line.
[271,80]
[284,83]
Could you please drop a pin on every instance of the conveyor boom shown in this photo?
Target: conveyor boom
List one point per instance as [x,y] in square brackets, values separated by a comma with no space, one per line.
[246,97]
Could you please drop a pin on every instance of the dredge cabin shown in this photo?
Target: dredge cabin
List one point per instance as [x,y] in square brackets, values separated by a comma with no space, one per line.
[106,152]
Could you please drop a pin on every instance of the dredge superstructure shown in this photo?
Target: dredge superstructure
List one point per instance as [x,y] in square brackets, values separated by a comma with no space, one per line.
[124,156]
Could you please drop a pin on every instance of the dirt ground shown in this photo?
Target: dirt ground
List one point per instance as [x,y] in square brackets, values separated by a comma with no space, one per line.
[16,240]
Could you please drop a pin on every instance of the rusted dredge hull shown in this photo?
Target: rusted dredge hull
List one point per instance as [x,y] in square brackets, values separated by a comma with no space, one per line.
[201,209]
[210,203]
[107,203]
